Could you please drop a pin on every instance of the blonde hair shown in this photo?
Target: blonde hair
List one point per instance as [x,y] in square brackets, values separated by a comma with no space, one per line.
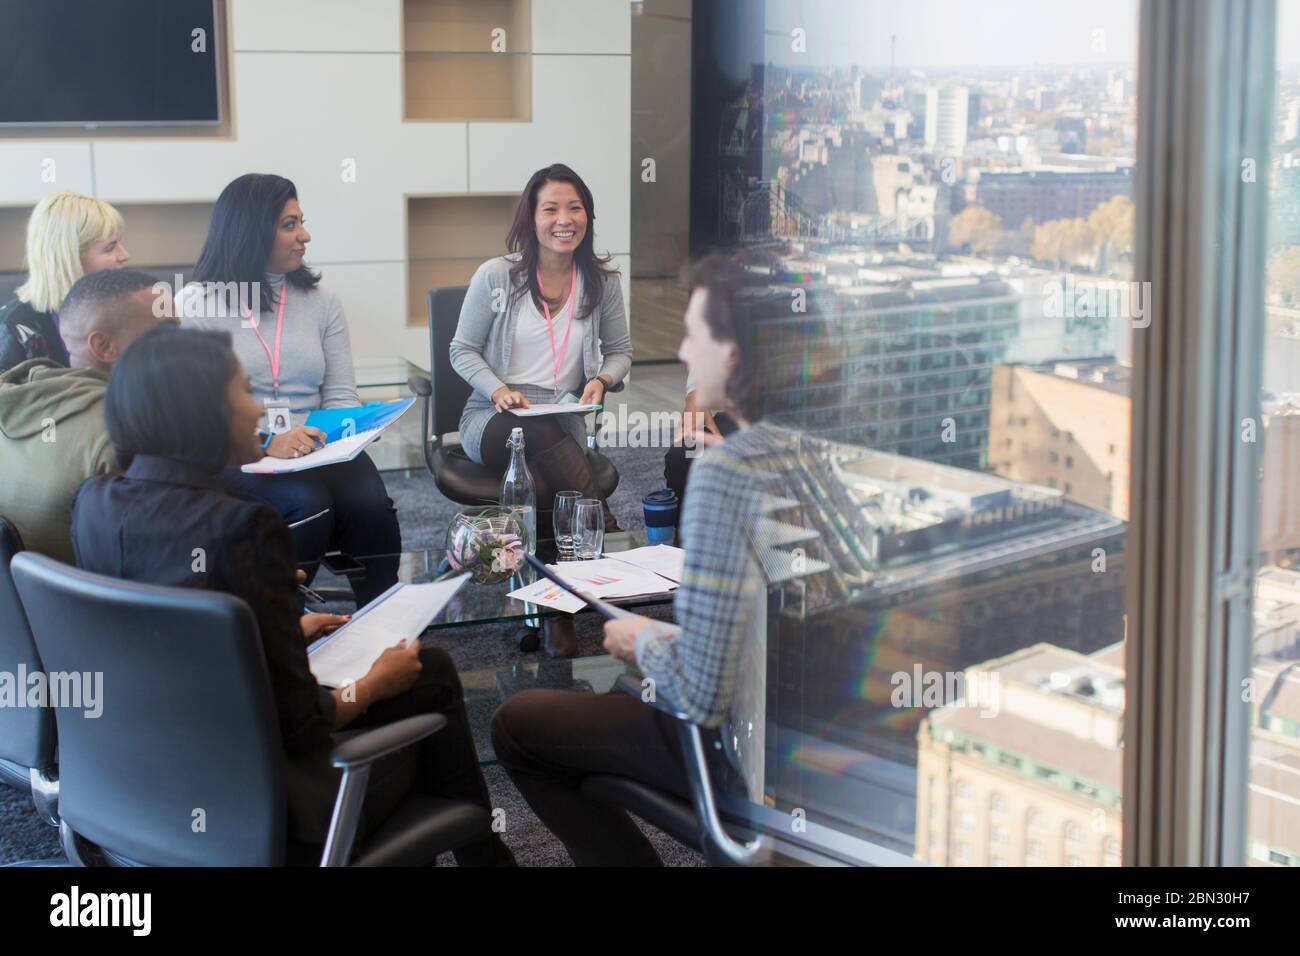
[61,227]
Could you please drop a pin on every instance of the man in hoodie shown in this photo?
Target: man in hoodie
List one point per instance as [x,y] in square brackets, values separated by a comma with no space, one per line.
[52,434]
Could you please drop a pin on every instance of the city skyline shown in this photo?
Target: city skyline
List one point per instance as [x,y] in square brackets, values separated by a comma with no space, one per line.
[1017,33]
[1014,33]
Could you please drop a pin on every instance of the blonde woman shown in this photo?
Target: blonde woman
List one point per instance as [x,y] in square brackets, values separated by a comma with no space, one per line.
[68,236]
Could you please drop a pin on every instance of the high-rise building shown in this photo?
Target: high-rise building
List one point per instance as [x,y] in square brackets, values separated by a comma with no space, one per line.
[1284,202]
[1065,426]
[947,118]
[1072,133]
[898,570]
[1044,194]
[974,110]
[899,360]
[1279,495]
[1025,770]
[1119,87]
[1067,317]
[867,90]
[1290,126]
[891,174]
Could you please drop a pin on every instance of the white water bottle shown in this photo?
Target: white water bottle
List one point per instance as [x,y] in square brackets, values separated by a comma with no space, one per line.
[518,493]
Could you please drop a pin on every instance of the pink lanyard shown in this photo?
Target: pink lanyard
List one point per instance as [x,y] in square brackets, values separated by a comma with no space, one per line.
[550,327]
[279,327]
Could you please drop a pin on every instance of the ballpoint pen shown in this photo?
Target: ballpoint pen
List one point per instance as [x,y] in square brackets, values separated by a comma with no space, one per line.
[309,518]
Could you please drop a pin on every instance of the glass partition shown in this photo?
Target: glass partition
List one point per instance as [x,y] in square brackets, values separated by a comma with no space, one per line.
[1273,690]
[939,234]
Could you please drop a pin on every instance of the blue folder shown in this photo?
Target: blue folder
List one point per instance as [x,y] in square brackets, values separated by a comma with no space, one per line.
[338,423]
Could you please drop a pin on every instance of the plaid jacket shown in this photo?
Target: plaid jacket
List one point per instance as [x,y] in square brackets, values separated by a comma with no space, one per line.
[721,603]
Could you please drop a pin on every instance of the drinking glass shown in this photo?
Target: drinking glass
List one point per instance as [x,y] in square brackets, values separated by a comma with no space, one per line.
[564,520]
[589,529]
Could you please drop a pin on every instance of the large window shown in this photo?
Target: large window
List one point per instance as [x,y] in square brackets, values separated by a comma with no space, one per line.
[1273,689]
[937,202]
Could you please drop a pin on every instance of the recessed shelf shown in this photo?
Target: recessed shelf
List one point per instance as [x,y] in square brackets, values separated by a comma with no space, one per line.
[452,87]
[448,237]
[165,234]
[13,237]
[466,60]
[157,234]
[466,26]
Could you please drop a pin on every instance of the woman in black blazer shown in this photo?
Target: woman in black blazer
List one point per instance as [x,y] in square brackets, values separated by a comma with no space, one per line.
[179,408]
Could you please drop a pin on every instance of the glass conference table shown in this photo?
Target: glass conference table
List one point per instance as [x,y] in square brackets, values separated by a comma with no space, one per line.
[486,686]
[401,448]
[476,604]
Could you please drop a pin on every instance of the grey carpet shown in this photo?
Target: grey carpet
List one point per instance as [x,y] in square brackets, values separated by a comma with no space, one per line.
[23,834]
[424,514]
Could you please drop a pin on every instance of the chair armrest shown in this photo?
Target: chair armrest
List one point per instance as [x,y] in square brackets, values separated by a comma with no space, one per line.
[718,843]
[354,757]
[422,386]
[364,749]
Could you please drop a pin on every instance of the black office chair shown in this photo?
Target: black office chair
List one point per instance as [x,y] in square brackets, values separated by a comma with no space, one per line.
[27,734]
[697,824]
[184,765]
[444,394]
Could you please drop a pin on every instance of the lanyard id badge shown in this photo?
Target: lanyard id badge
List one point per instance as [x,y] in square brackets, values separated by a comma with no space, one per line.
[278,417]
[557,359]
[279,328]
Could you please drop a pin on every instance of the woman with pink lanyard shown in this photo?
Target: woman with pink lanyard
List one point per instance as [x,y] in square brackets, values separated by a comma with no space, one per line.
[544,322]
[292,338]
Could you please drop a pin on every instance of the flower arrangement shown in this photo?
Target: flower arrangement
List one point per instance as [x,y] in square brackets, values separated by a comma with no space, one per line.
[486,542]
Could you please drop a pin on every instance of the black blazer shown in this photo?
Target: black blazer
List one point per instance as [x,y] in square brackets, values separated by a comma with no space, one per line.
[166,522]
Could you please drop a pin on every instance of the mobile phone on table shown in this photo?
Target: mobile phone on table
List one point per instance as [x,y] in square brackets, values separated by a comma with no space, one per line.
[344,564]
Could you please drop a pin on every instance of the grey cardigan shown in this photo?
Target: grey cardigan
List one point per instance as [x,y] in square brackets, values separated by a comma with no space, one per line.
[480,350]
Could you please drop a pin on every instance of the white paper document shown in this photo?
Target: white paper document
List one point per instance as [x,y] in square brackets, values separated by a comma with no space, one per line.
[553,409]
[400,613]
[602,578]
[662,559]
[345,449]
[546,594]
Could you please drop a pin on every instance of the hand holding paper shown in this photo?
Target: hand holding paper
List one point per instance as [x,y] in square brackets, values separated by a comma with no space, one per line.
[345,449]
[401,613]
[395,670]
[554,409]
[347,432]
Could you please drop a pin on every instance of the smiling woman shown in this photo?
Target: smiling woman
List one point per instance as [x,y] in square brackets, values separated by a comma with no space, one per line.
[515,343]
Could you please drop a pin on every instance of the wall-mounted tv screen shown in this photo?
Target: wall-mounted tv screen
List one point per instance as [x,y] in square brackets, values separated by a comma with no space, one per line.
[92,62]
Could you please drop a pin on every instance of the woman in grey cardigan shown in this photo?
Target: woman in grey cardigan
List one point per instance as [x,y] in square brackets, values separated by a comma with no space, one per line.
[541,323]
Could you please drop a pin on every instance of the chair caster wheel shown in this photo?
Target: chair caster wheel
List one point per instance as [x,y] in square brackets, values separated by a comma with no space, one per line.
[528,639]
